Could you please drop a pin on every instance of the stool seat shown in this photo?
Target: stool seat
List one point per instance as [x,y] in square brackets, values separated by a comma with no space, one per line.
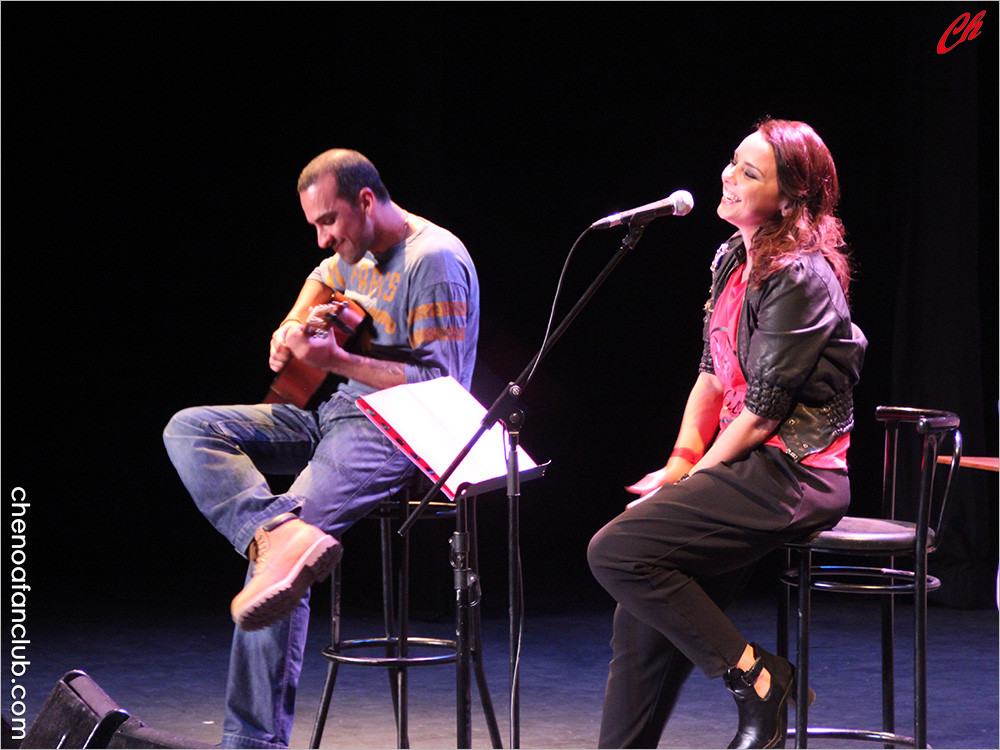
[866,536]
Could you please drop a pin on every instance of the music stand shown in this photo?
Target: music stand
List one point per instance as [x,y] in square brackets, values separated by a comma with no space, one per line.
[505,409]
[429,422]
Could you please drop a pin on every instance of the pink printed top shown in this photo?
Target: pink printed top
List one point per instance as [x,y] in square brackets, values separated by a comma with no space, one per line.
[726,364]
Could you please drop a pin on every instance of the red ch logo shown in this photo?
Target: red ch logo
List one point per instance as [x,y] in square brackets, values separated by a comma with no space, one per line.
[965,25]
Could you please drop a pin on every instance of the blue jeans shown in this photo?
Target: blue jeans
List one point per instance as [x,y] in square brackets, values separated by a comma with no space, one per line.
[344,467]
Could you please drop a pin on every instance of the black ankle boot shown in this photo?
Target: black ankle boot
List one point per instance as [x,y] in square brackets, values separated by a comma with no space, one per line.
[763,721]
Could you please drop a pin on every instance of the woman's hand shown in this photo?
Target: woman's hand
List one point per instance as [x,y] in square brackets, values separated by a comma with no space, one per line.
[651,482]
[669,474]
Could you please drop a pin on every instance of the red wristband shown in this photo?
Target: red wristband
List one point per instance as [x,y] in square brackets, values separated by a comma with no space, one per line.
[686,453]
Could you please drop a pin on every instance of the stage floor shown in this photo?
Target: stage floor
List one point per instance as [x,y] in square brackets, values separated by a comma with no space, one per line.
[169,671]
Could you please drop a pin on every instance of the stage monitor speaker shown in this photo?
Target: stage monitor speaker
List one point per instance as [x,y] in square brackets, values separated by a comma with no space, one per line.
[135,734]
[79,714]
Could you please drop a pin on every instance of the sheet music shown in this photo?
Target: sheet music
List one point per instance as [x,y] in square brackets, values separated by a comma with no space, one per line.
[432,421]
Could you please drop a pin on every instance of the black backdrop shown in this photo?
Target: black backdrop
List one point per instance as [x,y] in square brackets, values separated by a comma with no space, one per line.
[152,239]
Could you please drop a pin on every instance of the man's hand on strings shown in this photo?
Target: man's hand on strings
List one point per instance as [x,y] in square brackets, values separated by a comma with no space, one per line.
[314,344]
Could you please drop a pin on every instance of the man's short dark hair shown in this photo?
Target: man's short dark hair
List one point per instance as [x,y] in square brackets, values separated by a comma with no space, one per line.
[352,170]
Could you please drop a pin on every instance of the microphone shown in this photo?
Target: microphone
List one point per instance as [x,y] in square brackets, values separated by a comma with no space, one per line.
[677,203]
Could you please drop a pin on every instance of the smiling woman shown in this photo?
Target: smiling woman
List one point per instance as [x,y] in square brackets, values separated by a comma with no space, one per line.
[750,191]
[804,220]
[761,455]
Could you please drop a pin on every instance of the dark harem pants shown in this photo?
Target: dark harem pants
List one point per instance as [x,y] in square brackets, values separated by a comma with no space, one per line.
[675,560]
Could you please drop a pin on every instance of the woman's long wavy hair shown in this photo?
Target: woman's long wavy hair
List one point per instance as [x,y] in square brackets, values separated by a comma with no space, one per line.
[807,178]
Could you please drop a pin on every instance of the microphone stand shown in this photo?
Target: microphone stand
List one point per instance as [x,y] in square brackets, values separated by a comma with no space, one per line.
[505,409]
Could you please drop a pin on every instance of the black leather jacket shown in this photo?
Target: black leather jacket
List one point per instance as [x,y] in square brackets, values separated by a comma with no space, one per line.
[800,353]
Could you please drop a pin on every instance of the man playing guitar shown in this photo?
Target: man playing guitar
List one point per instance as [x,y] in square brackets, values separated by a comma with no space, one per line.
[414,287]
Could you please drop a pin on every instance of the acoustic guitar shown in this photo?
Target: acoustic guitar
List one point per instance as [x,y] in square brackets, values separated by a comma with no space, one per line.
[305,386]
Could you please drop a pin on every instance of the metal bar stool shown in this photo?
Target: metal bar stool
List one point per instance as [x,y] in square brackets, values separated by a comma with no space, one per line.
[886,537]
[396,639]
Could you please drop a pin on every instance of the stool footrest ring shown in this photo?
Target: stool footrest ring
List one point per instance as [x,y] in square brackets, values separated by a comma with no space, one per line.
[858,735]
[821,576]
[392,661]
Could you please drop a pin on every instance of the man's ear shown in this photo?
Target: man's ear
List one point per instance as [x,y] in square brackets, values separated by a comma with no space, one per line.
[366,200]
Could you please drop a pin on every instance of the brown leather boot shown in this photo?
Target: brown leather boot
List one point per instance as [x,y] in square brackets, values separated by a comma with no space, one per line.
[289,559]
